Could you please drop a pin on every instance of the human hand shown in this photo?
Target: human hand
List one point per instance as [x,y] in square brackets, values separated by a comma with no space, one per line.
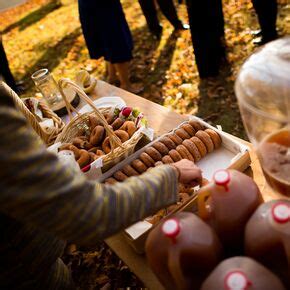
[189,173]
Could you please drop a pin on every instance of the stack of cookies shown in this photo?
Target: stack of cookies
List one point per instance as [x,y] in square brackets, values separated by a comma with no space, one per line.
[191,141]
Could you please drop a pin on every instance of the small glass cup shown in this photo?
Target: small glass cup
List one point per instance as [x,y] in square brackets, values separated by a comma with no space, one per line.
[48,87]
[263,92]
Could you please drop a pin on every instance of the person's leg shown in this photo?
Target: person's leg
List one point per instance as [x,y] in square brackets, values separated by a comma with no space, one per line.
[150,13]
[220,19]
[168,9]
[267,16]
[122,69]
[112,73]
[206,35]
[5,70]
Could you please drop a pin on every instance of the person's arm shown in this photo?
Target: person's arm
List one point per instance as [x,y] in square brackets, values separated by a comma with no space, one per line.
[37,189]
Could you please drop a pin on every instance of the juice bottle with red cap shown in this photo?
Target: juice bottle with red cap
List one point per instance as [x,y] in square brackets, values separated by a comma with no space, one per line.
[182,251]
[267,237]
[241,273]
[226,204]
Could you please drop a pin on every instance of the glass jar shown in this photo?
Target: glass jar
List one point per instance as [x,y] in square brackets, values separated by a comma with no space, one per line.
[47,85]
[263,92]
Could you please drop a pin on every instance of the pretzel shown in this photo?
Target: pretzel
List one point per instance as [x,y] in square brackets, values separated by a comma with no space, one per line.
[74,149]
[82,143]
[94,121]
[84,158]
[123,135]
[117,123]
[109,117]
[97,135]
[129,127]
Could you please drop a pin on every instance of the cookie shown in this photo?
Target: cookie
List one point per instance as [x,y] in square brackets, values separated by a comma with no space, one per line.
[146,159]
[168,142]
[129,170]
[182,134]
[139,165]
[153,153]
[196,125]
[215,137]
[161,148]
[183,151]
[189,129]
[192,148]
[110,180]
[175,155]
[206,140]
[120,176]
[167,159]
[175,138]
[199,144]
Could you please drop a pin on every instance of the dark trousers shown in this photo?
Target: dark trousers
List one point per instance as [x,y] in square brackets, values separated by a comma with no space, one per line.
[207,30]
[267,16]
[166,6]
[4,68]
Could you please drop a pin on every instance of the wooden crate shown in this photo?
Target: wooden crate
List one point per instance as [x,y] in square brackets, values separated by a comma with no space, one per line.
[231,155]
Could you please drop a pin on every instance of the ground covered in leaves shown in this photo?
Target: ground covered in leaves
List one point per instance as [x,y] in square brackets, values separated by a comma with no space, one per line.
[46,33]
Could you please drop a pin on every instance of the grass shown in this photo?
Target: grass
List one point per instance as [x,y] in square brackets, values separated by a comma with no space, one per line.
[49,35]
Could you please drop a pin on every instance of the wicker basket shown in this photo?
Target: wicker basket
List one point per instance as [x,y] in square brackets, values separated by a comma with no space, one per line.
[79,125]
[48,135]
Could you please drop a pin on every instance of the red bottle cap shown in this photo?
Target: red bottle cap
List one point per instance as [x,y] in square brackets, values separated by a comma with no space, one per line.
[281,212]
[222,177]
[171,228]
[236,280]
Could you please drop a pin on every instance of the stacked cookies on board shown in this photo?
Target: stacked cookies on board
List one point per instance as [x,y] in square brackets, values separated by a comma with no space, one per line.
[191,140]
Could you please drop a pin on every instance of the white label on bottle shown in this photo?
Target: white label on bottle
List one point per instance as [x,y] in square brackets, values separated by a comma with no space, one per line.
[236,281]
[281,212]
[222,177]
[170,227]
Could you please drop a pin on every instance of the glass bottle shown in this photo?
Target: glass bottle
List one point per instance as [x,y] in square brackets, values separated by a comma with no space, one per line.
[47,85]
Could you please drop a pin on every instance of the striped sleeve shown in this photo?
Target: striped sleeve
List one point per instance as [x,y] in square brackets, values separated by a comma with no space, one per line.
[37,189]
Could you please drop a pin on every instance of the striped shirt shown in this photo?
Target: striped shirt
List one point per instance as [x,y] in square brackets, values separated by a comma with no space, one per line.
[43,204]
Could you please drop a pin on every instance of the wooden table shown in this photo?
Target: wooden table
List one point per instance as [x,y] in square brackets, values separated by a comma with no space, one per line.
[162,120]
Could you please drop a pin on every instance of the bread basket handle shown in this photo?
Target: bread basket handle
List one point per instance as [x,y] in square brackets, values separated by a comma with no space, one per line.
[64,82]
[25,111]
